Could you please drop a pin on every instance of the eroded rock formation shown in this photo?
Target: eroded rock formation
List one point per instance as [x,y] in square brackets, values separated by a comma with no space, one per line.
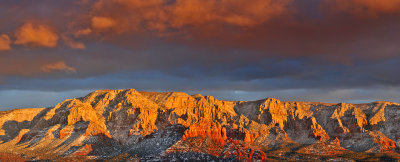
[129,124]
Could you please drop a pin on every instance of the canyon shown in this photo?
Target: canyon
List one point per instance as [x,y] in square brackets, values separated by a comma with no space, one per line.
[130,125]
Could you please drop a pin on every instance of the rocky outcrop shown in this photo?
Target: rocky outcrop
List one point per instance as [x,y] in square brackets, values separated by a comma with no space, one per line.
[149,125]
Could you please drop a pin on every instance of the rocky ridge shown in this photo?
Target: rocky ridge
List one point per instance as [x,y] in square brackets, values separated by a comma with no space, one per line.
[128,125]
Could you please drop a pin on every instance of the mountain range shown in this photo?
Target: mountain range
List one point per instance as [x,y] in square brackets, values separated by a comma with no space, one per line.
[129,125]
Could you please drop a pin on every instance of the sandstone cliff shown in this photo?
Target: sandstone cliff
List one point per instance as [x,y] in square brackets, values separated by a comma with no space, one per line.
[128,124]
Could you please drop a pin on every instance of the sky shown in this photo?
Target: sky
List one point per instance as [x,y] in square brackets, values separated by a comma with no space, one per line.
[292,50]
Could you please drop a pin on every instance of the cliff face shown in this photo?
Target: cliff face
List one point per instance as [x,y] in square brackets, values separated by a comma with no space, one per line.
[127,124]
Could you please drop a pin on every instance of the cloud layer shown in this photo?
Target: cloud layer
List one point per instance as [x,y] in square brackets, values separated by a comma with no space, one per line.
[258,47]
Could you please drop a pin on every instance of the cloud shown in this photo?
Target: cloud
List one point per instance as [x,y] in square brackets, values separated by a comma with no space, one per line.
[102,23]
[72,43]
[5,42]
[363,8]
[266,26]
[229,45]
[127,16]
[231,12]
[36,35]
[83,32]
[32,63]
[57,66]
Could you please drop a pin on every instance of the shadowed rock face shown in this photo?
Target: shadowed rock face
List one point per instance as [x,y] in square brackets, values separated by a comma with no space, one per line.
[127,124]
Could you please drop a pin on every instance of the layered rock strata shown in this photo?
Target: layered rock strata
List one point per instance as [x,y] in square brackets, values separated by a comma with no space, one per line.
[129,124]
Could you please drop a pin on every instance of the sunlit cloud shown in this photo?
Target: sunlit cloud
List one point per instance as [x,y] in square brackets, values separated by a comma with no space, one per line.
[83,32]
[239,13]
[72,43]
[5,42]
[161,15]
[102,23]
[36,35]
[57,66]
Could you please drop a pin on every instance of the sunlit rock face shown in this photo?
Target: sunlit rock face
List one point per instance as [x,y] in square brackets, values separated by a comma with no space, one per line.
[133,125]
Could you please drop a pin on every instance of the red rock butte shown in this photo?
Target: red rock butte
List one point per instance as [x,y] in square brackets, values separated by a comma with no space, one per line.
[132,125]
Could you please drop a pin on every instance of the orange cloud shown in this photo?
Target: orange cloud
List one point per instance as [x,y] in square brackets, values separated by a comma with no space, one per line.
[36,35]
[232,12]
[102,23]
[162,15]
[83,32]
[5,42]
[32,65]
[129,15]
[363,8]
[72,43]
[57,66]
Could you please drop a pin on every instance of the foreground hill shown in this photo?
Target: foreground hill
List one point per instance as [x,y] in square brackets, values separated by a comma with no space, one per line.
[132,125]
